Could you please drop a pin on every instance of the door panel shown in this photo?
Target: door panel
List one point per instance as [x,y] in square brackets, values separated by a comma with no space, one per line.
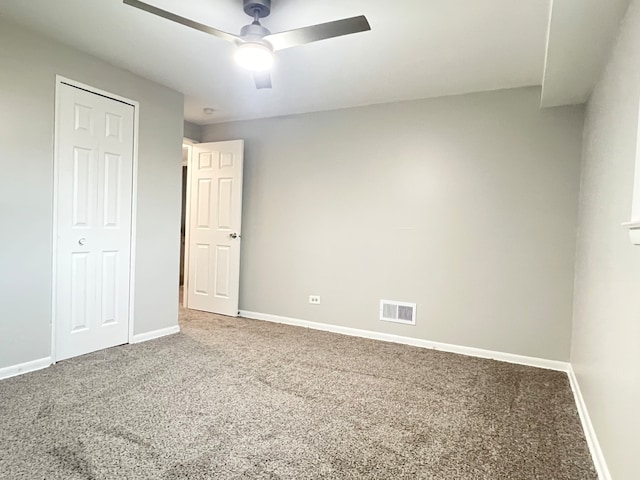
[222,273]
[225,203]
[202,264]
[109,285]
[111,193]
[82,163]
[80,304]
[215,227]
[204,203]
[94,183]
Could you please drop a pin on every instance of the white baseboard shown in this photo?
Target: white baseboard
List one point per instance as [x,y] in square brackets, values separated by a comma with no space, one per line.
[589,432]
[26,367]
[416,342]
[144,337]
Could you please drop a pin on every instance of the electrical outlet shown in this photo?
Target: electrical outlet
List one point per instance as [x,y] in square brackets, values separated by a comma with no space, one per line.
[314,299]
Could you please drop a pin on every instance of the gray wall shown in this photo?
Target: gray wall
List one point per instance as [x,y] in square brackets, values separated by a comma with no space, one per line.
[606,326]
[465,205]
[192,131]
[29,64]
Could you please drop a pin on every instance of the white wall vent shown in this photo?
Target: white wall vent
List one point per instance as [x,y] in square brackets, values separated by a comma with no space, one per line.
[399,312]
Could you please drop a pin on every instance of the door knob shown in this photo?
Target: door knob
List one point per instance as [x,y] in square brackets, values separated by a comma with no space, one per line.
[82,241]
[234,235]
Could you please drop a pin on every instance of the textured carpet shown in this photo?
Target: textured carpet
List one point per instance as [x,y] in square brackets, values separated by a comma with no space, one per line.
[236,398]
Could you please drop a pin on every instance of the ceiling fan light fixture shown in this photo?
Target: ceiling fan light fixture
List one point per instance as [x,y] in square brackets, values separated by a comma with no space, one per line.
[253,56]
[256,43]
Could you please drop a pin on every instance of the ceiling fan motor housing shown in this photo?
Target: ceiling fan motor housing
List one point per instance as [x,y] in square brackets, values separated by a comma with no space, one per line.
[260,8]
[253,32]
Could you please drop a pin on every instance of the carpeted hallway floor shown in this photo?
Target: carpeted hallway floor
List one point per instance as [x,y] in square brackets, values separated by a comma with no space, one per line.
[242,399]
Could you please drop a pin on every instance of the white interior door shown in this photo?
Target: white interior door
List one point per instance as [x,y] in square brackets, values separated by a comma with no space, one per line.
[215,215]
[94,166]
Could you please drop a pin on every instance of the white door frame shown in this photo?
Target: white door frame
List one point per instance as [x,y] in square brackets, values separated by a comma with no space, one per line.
[189,143]
[134,200]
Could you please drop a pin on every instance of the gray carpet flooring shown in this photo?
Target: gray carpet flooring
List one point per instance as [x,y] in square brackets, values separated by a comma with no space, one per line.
[242,399]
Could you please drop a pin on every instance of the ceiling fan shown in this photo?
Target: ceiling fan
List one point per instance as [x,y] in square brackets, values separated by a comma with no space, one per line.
[256,43]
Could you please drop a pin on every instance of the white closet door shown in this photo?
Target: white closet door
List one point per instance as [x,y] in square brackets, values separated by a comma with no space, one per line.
[93,214]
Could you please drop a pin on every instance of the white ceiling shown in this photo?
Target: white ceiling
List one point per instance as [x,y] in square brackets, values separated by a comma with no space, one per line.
[416,49]
[581,34]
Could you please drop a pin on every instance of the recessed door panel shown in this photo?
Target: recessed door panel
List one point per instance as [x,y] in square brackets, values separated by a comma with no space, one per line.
[225,203]
[113,127]
[82,183]
[83,118]
[112,184]
[109,287]
[204,204]
[203,263]
[226,160]
[80,291]
[223,261]
[205,161]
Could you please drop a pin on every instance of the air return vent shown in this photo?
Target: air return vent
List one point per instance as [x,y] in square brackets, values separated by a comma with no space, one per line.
[399,312]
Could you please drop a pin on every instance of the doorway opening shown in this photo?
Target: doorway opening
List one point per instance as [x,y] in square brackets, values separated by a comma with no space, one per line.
[186,153]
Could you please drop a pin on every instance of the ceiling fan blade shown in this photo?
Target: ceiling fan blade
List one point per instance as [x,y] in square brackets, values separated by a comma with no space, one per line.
[262,79]
[314,33]
[181,20]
